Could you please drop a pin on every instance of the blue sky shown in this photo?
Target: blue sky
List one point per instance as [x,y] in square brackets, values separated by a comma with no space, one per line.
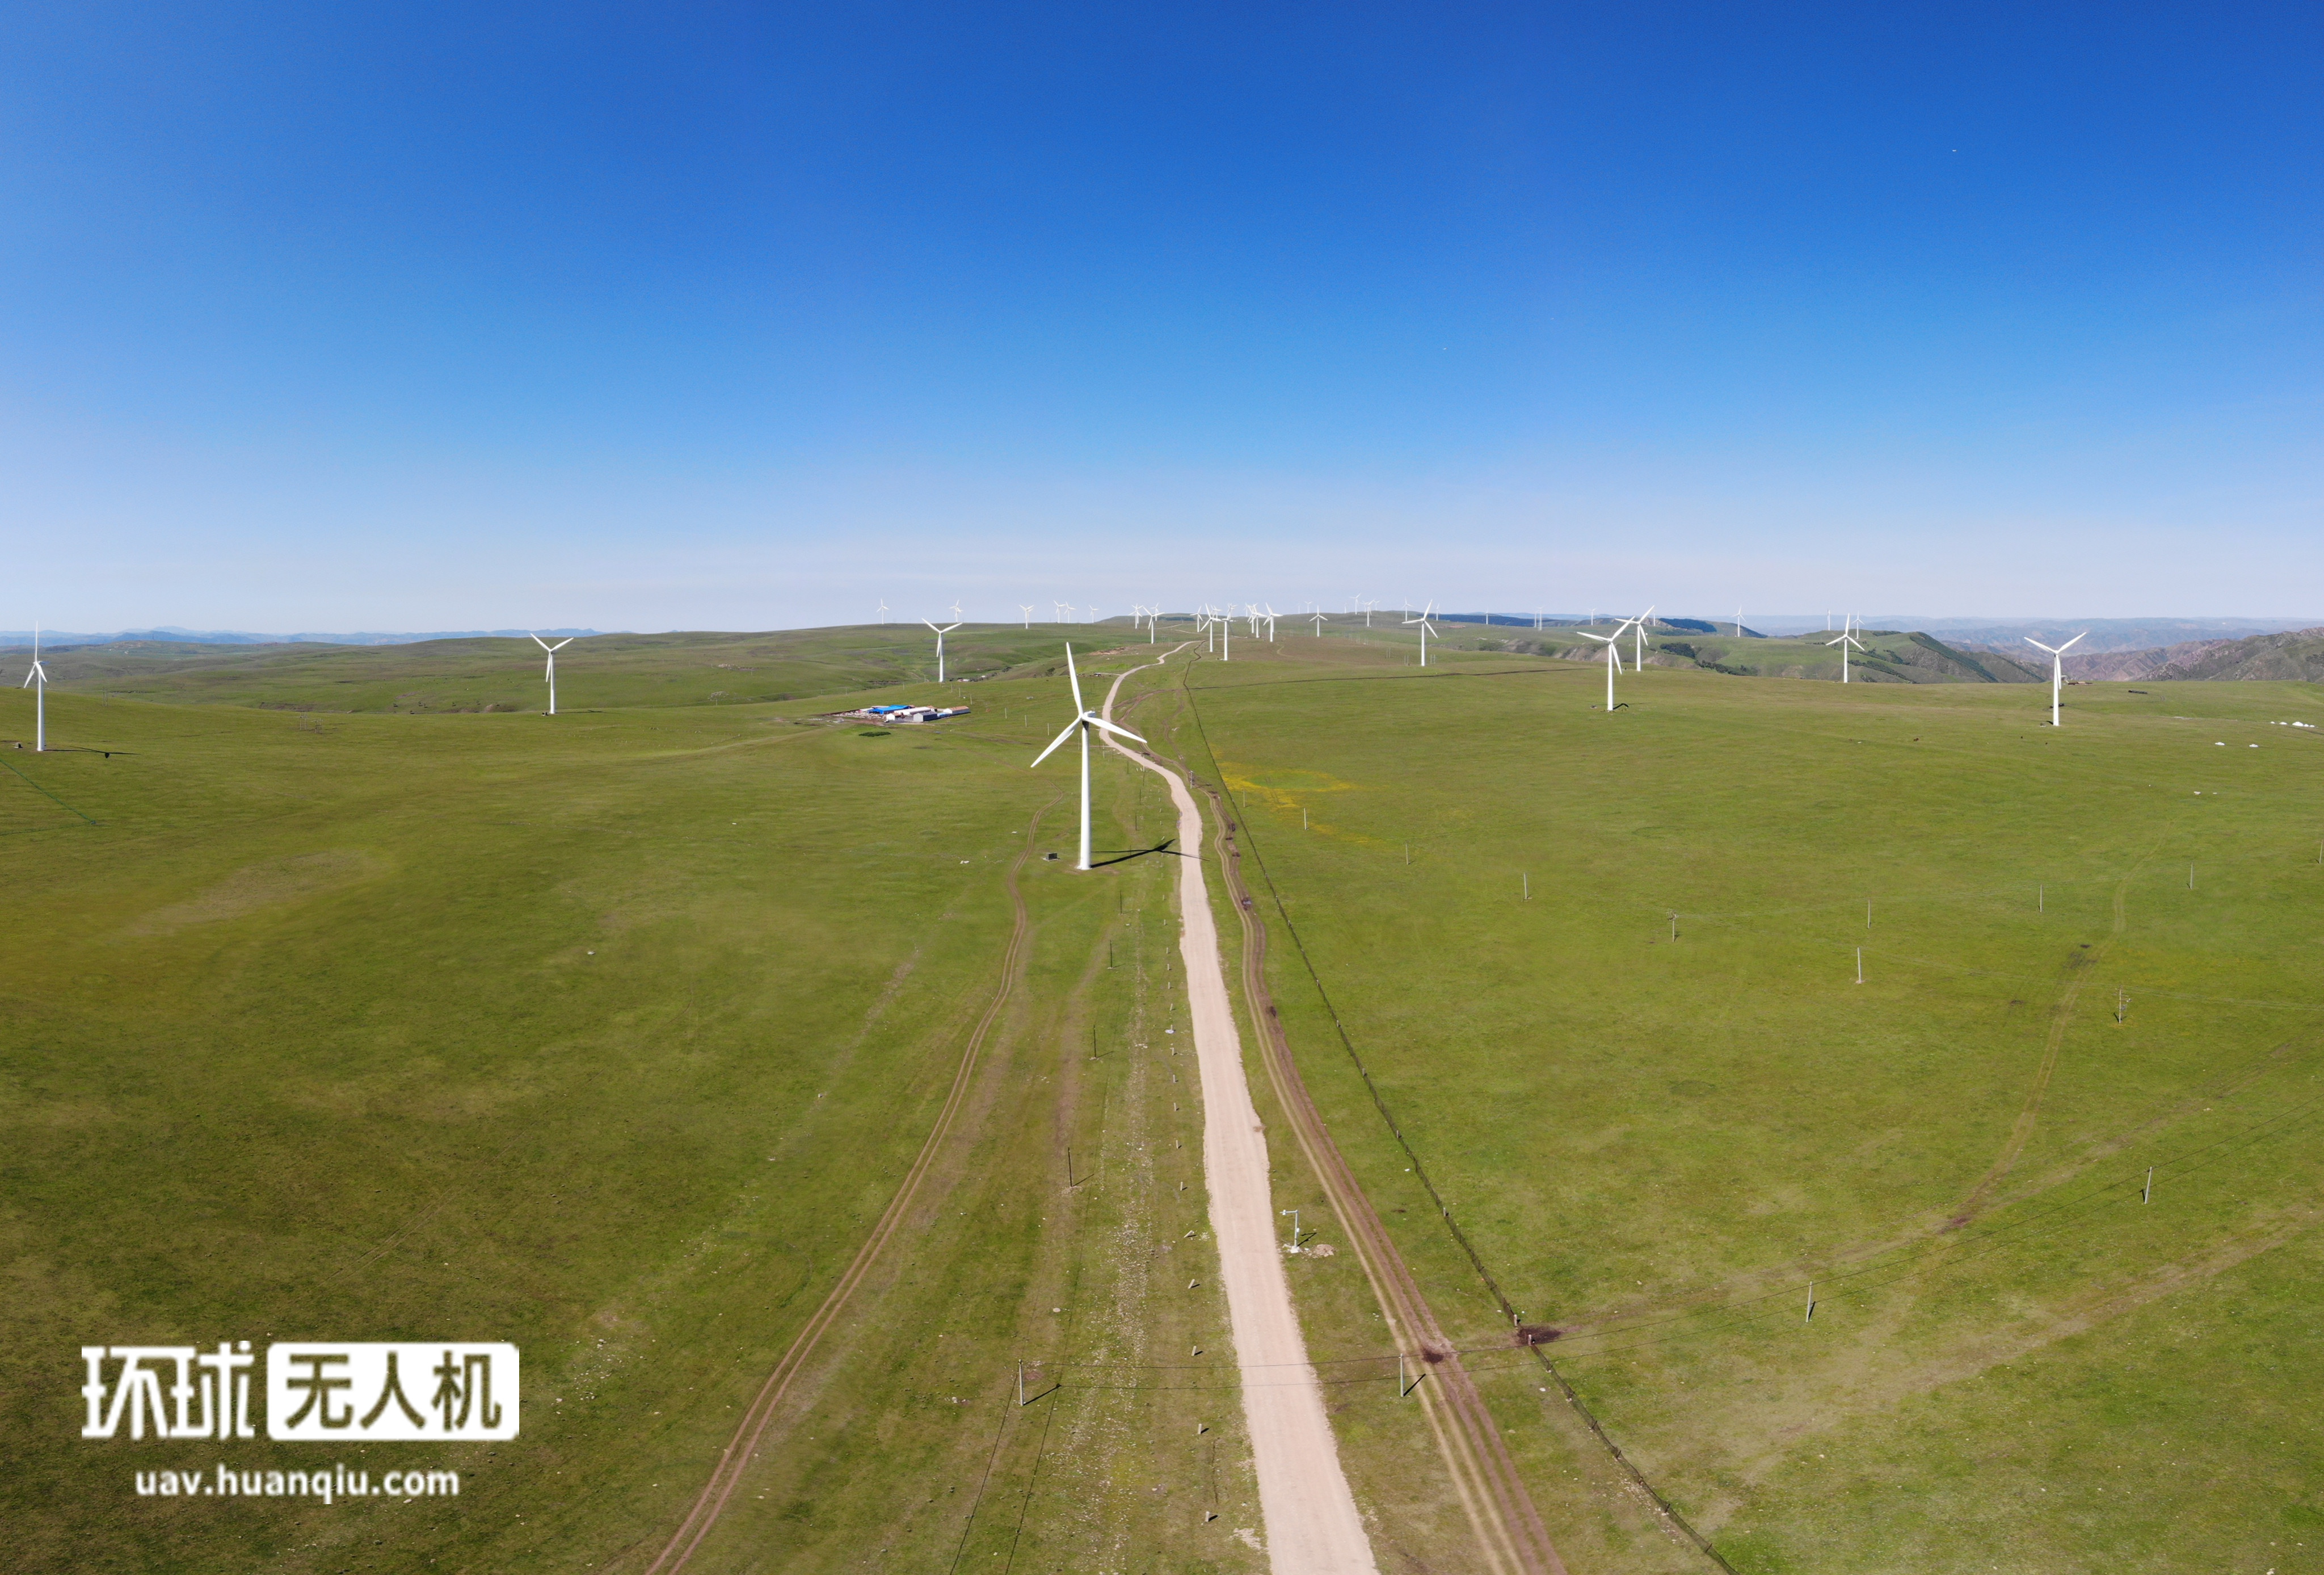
[716,315]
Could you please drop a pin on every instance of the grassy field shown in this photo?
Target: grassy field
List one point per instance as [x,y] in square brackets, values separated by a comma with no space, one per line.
[613,1035]
[1654,1144]
[608,1037]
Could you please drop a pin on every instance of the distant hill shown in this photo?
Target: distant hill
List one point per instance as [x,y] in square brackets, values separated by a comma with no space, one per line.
[60,638]
[2297,653]
[1890,656]
[2101,634]
[504,674]
[2116,665]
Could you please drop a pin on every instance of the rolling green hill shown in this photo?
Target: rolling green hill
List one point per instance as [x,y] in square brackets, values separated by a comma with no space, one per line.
[1889,656]
[605,670]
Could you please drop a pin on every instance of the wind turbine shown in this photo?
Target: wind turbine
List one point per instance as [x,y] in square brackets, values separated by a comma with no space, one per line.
[1320,619]
[955,609]
[2057,669]
[1083,720]
[1847,639]
[1270,624]
[552,651]
[947,629]
[1613,644]
[883,609]
[1062,608]
[1426,629]
[1026,607]
[1638,639]
[38,681]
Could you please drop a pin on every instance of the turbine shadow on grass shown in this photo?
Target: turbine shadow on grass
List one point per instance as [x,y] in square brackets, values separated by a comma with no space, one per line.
[1161,847]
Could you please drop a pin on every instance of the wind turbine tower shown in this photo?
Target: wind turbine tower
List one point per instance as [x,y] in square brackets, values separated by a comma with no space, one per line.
[1613,644]
[947,629]
[1084,719]
[38,680]
[1426,629]
[2057,669]
[552,651]
[1847,639]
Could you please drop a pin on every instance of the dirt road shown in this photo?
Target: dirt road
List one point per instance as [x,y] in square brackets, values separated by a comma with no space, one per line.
[1311,1524]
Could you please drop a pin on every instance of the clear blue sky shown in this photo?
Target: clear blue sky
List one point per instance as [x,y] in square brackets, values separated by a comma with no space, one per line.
[428,315]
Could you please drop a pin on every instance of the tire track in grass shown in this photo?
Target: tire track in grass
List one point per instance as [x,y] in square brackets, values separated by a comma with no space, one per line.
[1508,1529]
[727,1475]
[2061,1017]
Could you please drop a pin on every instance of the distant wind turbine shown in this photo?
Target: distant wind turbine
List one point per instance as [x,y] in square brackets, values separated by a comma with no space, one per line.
[552,651]
[1613,644]
[1026,607]
[947,629]
[883,609]
[956,607]
[1426,629]
[1847,639]
[37,680]
[2057,669]
[1638,639]
[1320,619]
[1064,611]
[1083,720]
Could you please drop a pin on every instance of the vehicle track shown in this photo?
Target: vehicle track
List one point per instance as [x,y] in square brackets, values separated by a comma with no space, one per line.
[1313,1526]
[727,1475]
[1508,1529]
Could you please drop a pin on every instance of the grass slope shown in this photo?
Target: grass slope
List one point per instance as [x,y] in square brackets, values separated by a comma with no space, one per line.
[1655,1144]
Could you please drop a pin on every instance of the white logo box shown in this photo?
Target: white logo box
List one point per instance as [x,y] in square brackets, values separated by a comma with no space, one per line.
[436,1390]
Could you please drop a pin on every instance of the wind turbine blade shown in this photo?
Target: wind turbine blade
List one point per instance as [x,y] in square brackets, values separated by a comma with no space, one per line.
[1070,728]
[561,644]
[540,642]
[1079,709]
[2069,644]
[1096,721]
[2052,650]
[1600,639]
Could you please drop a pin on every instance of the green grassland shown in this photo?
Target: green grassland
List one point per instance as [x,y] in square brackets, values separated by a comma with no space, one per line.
[610,1036]
[613,1035]
[1653,1144]
[608,670]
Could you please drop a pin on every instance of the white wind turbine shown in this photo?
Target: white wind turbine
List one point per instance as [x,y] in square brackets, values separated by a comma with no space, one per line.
[1426,629]
[947,629]
[552,651]
[2057,669]
[37,680]
[1613,644]
[1083,720]
[1026,608]
[1320,619]
[1270,624]
[883,609]
[1847,639]
[1061,609]
[1638,639]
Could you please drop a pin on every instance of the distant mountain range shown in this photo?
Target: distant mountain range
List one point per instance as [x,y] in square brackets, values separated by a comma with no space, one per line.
[2296,653]
[174,636]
